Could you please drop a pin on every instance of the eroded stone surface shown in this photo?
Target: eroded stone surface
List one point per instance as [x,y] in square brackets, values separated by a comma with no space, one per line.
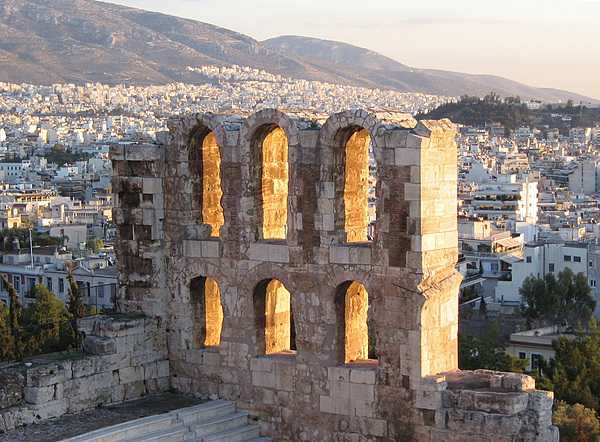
[407,270]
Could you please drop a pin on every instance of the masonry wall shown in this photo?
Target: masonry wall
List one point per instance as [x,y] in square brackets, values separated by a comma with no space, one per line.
[124,358]
[407,269]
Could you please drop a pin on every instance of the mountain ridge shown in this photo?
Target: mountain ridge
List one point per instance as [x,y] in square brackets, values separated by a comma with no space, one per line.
[82,41]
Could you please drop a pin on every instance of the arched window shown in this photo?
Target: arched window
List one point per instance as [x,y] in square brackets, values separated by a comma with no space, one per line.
[359,344]
[205,174]
[274,184]
[212,211]
[208,311]
[359,186]
[274,318]
[278,318]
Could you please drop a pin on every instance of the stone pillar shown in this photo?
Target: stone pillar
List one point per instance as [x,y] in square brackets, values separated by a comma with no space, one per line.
[139,213]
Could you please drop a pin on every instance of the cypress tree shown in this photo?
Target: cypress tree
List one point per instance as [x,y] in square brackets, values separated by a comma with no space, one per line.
[15,319]
[75,306]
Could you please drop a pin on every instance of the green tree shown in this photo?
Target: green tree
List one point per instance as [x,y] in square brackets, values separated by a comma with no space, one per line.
[6,339]
[576,423]
[47,323]
[7,237]
[15,319]
[75,304]
[575,370]
[487,351]
[552,300]
[76,307]
[95,245]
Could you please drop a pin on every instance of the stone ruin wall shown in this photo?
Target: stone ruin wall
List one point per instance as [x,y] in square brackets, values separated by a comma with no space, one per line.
[124,358]
[306,237]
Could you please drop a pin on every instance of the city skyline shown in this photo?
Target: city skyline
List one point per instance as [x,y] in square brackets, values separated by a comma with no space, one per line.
[543,44]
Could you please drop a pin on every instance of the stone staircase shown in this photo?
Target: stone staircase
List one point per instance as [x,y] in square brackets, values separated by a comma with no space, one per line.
[214,421]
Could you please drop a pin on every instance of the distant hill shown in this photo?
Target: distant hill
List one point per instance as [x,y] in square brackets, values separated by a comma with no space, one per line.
[511,114]
[374,68]
[44,41]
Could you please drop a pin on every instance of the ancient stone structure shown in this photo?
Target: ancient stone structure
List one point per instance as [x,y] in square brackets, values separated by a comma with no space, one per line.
[247,238]
[125,358]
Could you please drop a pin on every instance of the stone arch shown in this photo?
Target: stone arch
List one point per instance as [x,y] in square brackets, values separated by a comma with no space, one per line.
[204,160]
[274,318]
[351,160]
[270,140]
[205,297]
[355,329]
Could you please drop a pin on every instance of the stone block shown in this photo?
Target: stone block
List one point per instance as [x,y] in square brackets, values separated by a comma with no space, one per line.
[327,189]
[50,410]
[517,382]
[428,400]
[493,402]
[373,427]
[269,252]
[39,395]
[339,255]
[263,379]
[152,185]
[46,375]
[163,369]
[340,374]
[362,376]
[131,374]
[98,345]
[407,157]
[150,371]
[210,249]
[134,390]
[261,364]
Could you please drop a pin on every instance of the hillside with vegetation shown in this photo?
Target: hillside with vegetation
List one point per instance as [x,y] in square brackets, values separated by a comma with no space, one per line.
[512,113]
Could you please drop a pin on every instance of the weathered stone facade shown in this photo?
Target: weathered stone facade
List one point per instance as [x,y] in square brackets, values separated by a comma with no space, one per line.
[296,380]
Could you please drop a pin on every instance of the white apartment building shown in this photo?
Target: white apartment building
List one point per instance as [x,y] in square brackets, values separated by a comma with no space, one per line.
[540,258]
[98,286]
[514,200]
[581,135]
[585,177]
[534,345]
[596,135]
[594,274]
[12,171]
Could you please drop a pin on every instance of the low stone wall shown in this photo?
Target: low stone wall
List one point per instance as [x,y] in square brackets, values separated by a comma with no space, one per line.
[124,359]
[485,406]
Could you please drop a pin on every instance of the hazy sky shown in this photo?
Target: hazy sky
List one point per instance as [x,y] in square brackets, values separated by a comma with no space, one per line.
[547,43]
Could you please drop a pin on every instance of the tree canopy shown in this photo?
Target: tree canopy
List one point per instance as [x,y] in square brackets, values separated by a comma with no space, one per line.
[7,237]
[47,323]
[576,423]
[45,326]
[550,300]
[487,351]
[511,113]
[575,370]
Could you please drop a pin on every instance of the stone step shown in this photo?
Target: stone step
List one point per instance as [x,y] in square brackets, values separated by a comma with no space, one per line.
[176,434]
[127,430]
[243,433]
[220,424]
[203,412]
[214,421]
